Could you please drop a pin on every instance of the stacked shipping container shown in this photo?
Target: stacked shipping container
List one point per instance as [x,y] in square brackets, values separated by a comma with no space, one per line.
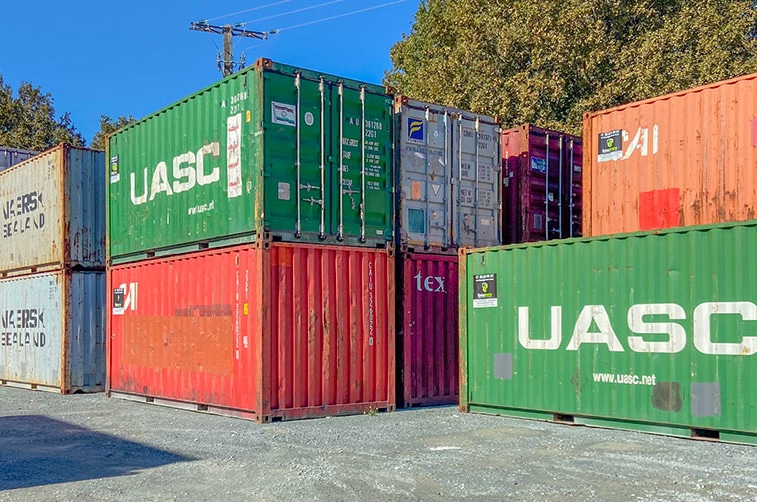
[682,159]
[534,209]
[12,156]
[52,258]
[448,195]
[293,168]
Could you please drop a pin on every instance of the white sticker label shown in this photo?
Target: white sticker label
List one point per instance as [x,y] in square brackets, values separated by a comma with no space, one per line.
[309,119]
[485,291]
[234,155]
[284,114]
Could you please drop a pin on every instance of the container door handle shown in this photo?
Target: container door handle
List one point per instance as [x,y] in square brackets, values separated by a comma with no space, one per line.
[476,194]
[570,190]
[322,229]
[560,188]
[546,190]
[426,181]
[362,166]
[448,232]
[340,231]
[298,226]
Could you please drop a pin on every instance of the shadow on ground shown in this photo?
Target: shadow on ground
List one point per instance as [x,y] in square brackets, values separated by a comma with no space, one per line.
[36,450]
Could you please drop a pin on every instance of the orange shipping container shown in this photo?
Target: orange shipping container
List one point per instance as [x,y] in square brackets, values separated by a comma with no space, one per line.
[683,159]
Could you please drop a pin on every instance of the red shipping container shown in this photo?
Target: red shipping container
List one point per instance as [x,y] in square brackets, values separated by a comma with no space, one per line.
[264,331]
[428,306]
[530,211]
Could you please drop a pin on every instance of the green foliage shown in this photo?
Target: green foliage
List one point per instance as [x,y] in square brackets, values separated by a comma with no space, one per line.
[550,61]
[28,121]
[109,126]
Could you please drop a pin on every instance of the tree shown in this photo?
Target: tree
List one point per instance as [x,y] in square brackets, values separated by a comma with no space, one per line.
[109,126]
[28,120]
[550,61]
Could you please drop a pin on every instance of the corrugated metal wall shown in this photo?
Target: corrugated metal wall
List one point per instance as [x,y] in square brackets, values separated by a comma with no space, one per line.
[448,177]
[52,331]
[291,331]
[53,212]
[682,159]
[533,209]
[12,156]
[646,328]
[428,319]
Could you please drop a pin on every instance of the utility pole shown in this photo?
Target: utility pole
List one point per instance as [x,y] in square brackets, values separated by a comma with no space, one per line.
[228,31]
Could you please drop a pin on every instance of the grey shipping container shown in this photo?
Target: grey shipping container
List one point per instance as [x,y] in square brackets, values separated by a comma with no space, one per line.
[53,212]
[52,335]
[12,156]
[448,177]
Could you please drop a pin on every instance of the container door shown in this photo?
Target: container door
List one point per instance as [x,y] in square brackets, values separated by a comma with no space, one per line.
[362,139]
[478,165]
[542,186]
[424,177]
[34,331]
[297,127]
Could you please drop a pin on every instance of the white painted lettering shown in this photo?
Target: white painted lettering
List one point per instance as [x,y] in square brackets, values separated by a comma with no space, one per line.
[676,333]
[606,334]
[702,335]
[524,335]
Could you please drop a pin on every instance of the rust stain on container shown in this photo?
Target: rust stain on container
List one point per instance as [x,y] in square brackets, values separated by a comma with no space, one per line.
[53,212]
[262,331]
[698,143]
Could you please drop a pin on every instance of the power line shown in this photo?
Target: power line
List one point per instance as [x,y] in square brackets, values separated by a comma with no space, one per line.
[337,16]
[248,10]
[293,12]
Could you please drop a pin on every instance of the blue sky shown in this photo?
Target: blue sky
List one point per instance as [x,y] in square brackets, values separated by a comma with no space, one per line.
[135,57]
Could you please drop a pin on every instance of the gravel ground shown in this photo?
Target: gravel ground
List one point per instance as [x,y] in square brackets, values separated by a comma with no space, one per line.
[89,447]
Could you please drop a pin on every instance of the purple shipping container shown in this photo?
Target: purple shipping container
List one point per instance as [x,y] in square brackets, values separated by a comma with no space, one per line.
[531,211]
[428,335]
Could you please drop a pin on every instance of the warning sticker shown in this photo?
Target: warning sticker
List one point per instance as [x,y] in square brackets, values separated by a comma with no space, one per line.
[115,174]
[484,291]
[119,296]
[610,146]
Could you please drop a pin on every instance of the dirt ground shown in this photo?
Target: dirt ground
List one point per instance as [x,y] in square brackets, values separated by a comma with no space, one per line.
[89,447]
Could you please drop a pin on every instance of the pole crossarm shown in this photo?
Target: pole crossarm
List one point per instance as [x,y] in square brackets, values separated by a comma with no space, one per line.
[235,31]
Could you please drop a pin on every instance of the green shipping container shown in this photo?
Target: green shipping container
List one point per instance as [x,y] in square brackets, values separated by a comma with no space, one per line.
[256,155]
[648,331]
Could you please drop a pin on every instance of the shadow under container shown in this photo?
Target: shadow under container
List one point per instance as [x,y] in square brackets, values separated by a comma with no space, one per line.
[266,331]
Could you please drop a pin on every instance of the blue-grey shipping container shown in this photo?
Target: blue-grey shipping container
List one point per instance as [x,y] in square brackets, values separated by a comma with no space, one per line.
[53,335]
